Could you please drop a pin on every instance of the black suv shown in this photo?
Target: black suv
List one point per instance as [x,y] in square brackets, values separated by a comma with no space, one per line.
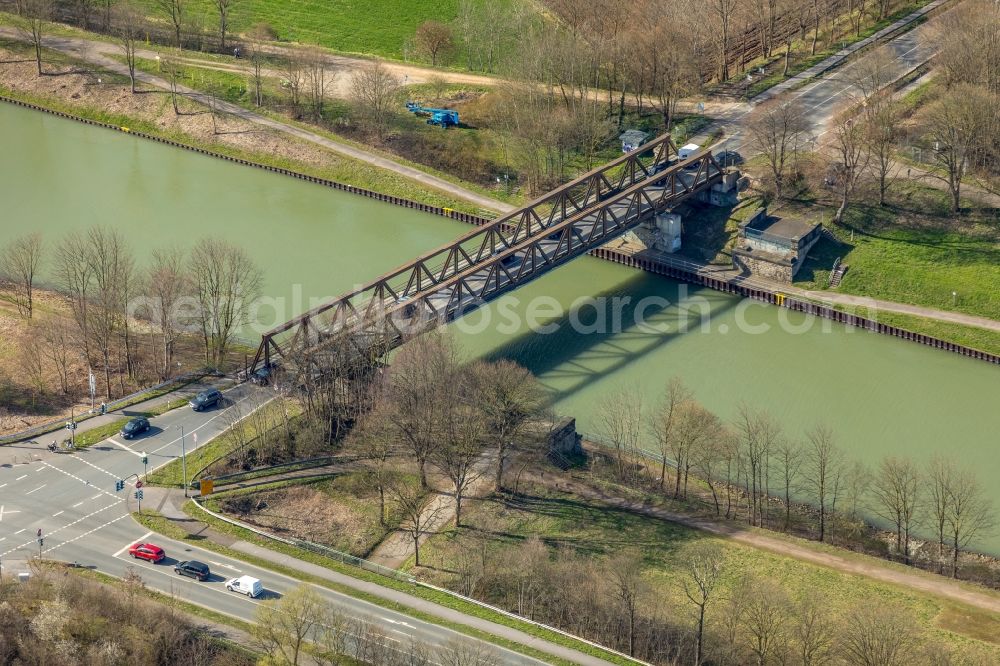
[137,425]
[206,399]
[192,568]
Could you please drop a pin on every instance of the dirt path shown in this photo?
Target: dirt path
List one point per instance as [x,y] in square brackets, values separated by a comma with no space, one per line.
[922,582]
[100,54]
[397,547]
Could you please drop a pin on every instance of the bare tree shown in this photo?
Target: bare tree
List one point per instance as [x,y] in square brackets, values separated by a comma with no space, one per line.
[777,129]
[421,394]
[283,626]
[376,443]
[318,79]
[174,11]
[129,22]
[625,570]
[723,11]
[697,430]
[416,516]
[663,424]
[957,124]
[256,57]
[32,362]
[459,454]
[813,632]
[508,396]
[620,419]
[34,14]
[374,90]
[224,8]
[970,513]
[57,346]
[789,457]
[881,134]
[434,40]
[226,280]
[878,634]
[168,283]
[111,266]
[940,478]
[294,72]
[824,466]
[851,160]
[75,280]
[703,568]
[896,487]
[759,436]
[765,613]
[19,263]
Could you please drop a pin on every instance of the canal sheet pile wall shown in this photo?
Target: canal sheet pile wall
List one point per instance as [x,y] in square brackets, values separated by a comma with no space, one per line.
[608,254]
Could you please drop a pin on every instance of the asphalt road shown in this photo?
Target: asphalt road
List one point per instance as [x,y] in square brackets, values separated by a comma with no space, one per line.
[71,498]
[829,94]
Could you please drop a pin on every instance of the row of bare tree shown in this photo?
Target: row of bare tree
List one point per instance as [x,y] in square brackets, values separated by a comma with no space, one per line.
[716,615]
[208,290]
[961,124]
[303,627]
[752,462]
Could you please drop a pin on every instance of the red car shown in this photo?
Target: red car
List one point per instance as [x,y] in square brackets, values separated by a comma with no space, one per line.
[147,551]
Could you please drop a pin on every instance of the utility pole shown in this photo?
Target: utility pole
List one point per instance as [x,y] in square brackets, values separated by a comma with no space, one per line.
[184,470]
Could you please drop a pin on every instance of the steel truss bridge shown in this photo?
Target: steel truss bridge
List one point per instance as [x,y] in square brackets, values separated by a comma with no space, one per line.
[457,278]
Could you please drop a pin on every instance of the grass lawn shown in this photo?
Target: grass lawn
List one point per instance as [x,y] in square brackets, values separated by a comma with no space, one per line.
[597,531]
[340,512]
[382,27]
[915,252]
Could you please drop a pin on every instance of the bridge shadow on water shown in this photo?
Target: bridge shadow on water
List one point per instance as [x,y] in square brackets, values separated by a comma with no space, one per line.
[660,311]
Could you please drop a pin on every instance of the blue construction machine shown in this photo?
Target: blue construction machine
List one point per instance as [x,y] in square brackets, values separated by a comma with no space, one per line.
[442,117]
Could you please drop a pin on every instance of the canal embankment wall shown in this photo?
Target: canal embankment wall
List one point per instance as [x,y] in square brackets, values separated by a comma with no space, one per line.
[621,257]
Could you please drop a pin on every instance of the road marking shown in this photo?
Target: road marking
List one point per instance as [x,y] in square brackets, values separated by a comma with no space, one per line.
[99,527]
[39,469]
[207,439]
[83,481]
[2,511]
[99,469]
[129,544]
[21,477]
[78,504]
[68,525]
[36,489]
[3,485]
[19,531]
[58,513]
[122,446]
[227,566]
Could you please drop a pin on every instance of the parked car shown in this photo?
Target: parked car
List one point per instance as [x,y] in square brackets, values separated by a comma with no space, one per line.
[206,399]
[193,569]
[247,585]
[136,426]
[147,551]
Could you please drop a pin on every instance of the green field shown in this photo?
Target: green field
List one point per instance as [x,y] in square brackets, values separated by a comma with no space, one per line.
[914,251]
[377,27]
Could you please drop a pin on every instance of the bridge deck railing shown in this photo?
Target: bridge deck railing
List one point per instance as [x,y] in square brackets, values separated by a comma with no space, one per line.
[534,243]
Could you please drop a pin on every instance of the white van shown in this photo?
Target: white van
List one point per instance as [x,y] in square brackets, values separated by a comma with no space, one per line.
[688,150]
[247,585]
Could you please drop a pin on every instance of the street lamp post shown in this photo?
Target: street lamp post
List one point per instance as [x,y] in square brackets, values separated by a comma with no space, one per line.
[184,471]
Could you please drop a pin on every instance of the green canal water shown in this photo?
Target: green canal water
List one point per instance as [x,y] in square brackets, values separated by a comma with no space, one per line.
[881,395]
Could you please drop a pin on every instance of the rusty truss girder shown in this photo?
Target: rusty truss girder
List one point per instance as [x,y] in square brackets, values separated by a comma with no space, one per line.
[456,278]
